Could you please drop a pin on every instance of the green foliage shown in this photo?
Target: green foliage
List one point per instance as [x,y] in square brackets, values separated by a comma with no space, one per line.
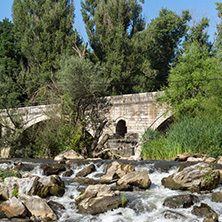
[156,149]
[196,135]
[186,92]
[44,31]
[162,38]
[84,105]
[198,33]
[113,29]
[10,92]
[15,192]
[9,173]
[124,200]
[189,135]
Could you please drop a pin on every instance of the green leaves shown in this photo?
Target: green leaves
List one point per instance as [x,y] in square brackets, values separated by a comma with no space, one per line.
[188,80]
[113,29]
[44,30]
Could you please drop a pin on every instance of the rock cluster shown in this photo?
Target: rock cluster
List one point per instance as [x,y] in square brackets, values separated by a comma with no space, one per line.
[23,197]
[99,197]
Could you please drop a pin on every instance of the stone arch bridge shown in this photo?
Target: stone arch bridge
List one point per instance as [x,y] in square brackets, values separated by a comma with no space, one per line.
[130,114]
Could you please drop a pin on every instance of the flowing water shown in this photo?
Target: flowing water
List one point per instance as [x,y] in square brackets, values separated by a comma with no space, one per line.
[143,206]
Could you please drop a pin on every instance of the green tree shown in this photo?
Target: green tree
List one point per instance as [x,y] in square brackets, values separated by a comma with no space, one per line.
[113,29]
[219,26]
[198,33]
[188,81]
[10,91]
[84,106]
[162,39]
[44,31]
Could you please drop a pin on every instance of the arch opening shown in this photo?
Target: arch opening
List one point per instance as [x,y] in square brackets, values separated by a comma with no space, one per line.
[121,128]
[164,126]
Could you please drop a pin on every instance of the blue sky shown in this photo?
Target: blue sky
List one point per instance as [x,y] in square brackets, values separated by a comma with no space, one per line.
[151,8]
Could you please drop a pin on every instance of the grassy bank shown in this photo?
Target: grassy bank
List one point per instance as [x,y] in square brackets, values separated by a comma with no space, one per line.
[193,135]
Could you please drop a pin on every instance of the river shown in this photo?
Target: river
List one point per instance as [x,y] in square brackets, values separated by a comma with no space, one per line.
[143,206]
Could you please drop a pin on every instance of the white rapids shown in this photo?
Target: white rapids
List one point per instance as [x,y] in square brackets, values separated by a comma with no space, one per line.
[143,206]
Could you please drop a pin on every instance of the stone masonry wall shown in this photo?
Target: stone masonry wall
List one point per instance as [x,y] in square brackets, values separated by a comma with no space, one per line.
[139,111]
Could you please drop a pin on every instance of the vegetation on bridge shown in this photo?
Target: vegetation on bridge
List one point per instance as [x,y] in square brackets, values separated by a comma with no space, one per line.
[43,58]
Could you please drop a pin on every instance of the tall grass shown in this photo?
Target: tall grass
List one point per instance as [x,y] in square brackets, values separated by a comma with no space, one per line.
[190,135]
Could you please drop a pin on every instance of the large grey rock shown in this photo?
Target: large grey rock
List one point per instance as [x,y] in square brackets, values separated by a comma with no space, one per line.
[13,208]
[69,155]
[216,197]
[32,185]
[211,217]
[86,171]
[139,178]
[180,201]
[7,187]
[50,186]
[202,211]
[39,208]
[196,178]
[28,185]
[97,199]
[51,169]
[116,171]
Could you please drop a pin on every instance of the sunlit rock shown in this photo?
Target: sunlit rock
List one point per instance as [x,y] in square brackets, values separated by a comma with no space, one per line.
[98,199]
[139,178]
[196,178]
[116,171]
[13,208]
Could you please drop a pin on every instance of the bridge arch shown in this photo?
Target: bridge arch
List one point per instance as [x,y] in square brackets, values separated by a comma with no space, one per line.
[36,120]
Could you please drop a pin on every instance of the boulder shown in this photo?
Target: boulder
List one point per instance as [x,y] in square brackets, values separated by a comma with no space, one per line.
[181,201]
[210,160]
[170,215]
[139,178]
[116,171]
[28,185]
[211,217]
[183,156]
[216,197]
[97,199]
[7,187]
[51,169]
[86,171]
[68,173]
[32,185]
[13,208]
[219,160]
[202,211]
[195,159]
[50,186]
[56,207]
[85,180]
[196,178]
[39,208]
[70,155]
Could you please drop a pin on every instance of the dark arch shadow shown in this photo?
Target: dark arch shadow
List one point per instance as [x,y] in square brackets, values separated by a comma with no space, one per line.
[163,127]
[121,128]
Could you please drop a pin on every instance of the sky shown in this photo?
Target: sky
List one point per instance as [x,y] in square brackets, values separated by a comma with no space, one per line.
[151,8]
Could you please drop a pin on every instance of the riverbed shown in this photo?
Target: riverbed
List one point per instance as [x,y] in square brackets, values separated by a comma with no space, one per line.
[143,206]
